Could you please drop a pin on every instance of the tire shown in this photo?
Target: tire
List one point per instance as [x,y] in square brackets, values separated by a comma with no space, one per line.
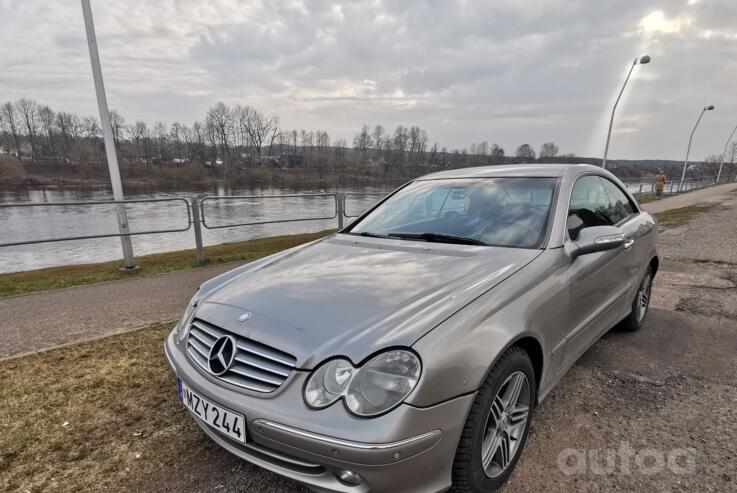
[469,473]
[635,319]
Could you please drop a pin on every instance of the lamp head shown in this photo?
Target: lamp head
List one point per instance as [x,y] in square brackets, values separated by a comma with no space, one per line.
[709,108]
[645,59]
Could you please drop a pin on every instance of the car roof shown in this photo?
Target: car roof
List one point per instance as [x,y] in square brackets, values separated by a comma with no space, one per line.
[538,170]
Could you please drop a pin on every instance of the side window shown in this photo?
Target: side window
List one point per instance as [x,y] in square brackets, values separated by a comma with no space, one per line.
[589,203]
[620,206]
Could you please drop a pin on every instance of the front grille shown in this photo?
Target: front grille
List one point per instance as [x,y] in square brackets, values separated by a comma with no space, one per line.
[255,366]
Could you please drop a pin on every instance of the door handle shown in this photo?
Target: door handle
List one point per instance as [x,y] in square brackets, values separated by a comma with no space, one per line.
[628,242]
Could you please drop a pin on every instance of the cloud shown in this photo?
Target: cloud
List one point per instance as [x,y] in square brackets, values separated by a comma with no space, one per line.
[466,70]
[657,22]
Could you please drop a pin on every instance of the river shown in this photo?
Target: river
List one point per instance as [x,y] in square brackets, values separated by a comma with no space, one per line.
[33,223]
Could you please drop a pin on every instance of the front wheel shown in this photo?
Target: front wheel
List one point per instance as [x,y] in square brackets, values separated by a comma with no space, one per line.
[497,425]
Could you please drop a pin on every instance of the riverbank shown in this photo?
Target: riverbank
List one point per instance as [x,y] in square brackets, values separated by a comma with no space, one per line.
[192,176]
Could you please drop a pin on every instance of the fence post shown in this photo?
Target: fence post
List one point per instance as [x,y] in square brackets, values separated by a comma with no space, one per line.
[339,208]
[197,223]
[640,193]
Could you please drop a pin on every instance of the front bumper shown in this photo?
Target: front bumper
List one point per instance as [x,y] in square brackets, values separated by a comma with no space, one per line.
[408,449]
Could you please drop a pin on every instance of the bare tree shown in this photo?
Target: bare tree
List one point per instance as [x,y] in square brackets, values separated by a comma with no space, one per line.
[363,141]
[548,150]
[10,124]
[199,139]
[161,141]
[91,128]
[525,153]
[27,110]
[399,144]
[46,117]
[275,133]
[322,145]
[260,128]
[219,119]
[140,135]
[378,136]
[730,159]
[117,122]
[496,154]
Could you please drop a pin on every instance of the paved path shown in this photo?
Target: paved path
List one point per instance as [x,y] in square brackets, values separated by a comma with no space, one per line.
[44,320]
[48,319]
[694,197]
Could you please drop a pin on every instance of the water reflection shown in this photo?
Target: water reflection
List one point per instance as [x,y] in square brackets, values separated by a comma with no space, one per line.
[20,224]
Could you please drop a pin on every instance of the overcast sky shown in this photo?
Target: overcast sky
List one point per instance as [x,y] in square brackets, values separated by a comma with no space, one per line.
[502,71]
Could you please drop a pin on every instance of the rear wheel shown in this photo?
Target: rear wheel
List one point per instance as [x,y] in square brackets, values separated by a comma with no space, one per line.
[497,425]
[640,305]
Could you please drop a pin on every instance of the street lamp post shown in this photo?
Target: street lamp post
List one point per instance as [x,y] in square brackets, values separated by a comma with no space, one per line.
[107,134]
[688,150]
[721,163]
[642,61]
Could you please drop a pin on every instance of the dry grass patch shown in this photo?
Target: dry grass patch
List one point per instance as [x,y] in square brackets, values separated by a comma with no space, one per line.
[74,275]
[675,217]
[98,416]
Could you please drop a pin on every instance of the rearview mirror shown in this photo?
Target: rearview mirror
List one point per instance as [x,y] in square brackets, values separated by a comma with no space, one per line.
[596,239]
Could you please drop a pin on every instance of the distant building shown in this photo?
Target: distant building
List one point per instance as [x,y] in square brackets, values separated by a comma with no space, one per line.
[380,162]
[291,161]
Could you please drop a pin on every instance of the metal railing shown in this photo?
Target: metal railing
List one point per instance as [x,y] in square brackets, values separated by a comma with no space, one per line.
[212,198]
[95,236]
[639,188]
[198,215]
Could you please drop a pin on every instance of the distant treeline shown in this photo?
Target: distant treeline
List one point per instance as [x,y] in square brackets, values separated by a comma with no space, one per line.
[241,137]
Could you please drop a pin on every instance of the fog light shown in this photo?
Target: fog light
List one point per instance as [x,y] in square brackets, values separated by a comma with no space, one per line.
[349,477]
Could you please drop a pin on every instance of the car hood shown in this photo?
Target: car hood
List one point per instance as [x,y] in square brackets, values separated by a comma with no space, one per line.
[352,296]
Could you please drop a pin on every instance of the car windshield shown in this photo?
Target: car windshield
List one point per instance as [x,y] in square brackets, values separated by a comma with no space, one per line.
[509,212]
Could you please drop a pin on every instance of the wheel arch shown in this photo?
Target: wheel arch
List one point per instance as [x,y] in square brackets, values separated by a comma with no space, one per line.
[534,350]
[654,264]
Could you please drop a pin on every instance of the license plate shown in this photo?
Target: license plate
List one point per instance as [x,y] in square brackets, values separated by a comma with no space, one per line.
[216,416]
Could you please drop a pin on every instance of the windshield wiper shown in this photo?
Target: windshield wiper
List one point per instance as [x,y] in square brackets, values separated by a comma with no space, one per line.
[438,238]
[368,234]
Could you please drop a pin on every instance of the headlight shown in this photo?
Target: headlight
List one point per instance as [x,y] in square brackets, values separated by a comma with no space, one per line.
[182,327]
[375,388]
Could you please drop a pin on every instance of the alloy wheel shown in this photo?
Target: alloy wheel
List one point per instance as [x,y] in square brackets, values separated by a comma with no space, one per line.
[643,297]
[505,425]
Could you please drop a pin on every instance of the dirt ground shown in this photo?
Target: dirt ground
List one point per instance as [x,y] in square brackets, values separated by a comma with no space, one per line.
[649,411]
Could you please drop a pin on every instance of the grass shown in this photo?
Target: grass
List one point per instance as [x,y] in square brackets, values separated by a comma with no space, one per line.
[97,416]
[646,197]
[675,217]
[73,275]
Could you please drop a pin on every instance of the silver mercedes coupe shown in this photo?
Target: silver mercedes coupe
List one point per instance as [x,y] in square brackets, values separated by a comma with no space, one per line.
[407,351]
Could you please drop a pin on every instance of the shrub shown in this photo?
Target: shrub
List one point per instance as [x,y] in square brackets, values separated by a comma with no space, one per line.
[11,170]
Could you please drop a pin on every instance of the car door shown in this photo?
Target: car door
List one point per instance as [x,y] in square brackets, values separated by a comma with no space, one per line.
[598,282]
[624,213]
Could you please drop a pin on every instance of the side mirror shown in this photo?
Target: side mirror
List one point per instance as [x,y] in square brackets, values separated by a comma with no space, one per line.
[596,239]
